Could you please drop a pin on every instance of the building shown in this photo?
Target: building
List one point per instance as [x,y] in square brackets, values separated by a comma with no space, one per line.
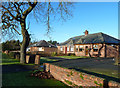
[93,45]
[42,46]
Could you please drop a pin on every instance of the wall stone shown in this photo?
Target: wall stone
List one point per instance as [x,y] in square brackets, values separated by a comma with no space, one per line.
[72,77]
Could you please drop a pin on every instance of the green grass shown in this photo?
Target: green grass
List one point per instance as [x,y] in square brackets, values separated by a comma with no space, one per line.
[107,72]
[23,79]
[46,60]
[6,60]
[72,57]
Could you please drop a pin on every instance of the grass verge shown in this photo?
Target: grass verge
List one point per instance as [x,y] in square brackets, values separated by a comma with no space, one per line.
[72,57]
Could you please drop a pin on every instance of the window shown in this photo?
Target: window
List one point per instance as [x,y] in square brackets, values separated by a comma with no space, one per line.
[67,48]
[61,48]
[95,48]
[40,49]
[81,48]
[28,49]
[72,48]
[76,47]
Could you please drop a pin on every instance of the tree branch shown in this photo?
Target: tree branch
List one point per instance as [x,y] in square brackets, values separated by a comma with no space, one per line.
[11,14]
[26,12]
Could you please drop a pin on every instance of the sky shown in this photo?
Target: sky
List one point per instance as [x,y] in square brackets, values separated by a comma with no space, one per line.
[92,16]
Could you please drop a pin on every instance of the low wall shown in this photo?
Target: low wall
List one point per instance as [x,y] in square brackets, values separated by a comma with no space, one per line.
[75,78]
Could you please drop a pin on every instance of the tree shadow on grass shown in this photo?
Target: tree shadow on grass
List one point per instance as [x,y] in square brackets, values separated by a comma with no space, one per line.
[17,68]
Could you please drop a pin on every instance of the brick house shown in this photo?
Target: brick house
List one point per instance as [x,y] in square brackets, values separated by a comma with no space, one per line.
[43,47]
[93,45]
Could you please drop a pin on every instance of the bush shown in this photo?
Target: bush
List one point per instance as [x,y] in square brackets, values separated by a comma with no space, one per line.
[28,53]
[71,54]
[117,61]
[53,53]
[12,54]
[61,54]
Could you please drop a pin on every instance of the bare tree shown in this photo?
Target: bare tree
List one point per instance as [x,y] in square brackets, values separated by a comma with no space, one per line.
[14,14]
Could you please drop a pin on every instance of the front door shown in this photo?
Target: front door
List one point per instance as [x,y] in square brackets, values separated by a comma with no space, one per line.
[86,50]
[65,50]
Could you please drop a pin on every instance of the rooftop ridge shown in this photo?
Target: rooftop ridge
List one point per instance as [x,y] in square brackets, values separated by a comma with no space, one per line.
[102,38]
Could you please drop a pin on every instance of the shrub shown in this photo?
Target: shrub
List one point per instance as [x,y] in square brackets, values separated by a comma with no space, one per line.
[53,53]
[117,60]
[28,53]
[12,54]
[71,54]
[61,54]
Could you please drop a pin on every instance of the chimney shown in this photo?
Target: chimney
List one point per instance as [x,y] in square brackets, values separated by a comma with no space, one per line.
[86,32]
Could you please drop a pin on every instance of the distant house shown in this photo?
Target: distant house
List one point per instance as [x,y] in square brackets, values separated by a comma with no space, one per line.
[42,46]
[94,45]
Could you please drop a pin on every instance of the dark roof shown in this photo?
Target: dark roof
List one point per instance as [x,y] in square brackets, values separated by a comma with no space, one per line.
[42,43]
[91,38]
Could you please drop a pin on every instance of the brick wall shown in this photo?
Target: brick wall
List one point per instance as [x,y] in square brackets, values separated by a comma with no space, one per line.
[73,78]
[105,50]
[46,50]
[49,50]
[111,51]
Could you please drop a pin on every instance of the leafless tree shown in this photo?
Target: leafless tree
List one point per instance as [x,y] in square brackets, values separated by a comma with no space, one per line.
[14,15]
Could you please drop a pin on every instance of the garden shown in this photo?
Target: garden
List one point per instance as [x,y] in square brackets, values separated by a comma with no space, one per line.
[14,74]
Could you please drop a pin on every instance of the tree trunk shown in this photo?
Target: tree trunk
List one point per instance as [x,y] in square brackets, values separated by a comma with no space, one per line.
[25,42]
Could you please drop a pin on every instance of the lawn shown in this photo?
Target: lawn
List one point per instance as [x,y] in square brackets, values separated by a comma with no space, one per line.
[24,79]
[46,60]
[6,60]
[101,65]
[72,57]
[107,72]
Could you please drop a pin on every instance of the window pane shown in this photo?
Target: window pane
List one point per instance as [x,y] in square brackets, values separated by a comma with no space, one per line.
[76,47]
[81,48]
[72,48]
[61,48]
[95,48]
[68,48]
[40,49]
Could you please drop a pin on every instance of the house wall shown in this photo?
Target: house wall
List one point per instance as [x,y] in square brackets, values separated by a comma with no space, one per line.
[47,50]
[63,50]
[83,52]
[33,48]
[104,50]
[112,51]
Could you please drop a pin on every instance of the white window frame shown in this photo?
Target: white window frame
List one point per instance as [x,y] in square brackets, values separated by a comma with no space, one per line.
[68,48]
[80,46]
[40,49]
[61,48]
[72,48]
[76,47]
